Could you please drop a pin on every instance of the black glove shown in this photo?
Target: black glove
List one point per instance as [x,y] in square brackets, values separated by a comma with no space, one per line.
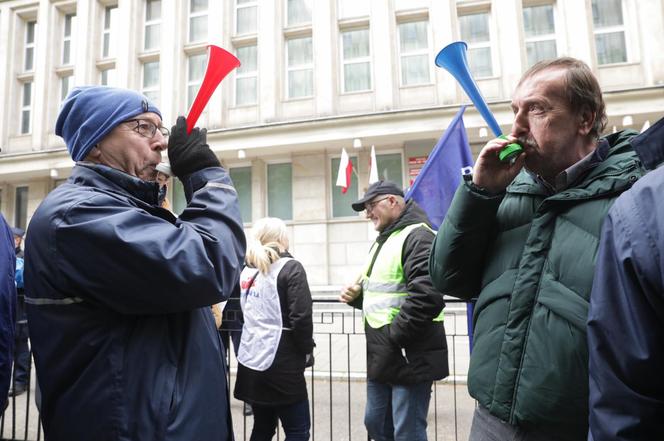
[189,153]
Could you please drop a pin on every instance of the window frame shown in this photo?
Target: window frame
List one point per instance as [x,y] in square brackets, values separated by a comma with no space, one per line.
[340,8]
[359,60]
[190,82]
[191,15]
[108,26]
[110,72]
[489,43]
[404,166]
[302,23]
[21,219]
[29,45]
[151,22]
[68,77]
[244,5]
[333,183]
[156,88]
[267,183]
[541,38]
[245,165]
[26,107]
[240,75]
[298,68]
[614,29]
[68,39]
[426,51]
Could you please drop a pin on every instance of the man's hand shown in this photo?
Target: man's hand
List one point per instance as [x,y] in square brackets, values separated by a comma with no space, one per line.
[189,153]
[350,293]
[490,172]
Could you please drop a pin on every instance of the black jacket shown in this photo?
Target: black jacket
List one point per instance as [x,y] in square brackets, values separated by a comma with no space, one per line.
[412,329]
[283,382]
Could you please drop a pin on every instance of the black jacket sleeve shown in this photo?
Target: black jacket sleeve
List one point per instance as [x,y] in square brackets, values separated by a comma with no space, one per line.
[296,302]
[424,302]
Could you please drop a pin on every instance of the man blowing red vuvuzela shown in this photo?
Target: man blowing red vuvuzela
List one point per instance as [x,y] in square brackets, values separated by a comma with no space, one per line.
[119,289]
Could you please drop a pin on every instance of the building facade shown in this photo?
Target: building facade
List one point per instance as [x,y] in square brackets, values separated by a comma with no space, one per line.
[316,77]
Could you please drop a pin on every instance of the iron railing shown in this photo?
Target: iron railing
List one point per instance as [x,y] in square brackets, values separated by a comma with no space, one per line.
[336,383]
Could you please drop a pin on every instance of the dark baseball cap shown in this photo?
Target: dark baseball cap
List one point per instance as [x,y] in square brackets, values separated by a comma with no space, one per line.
[377,189]
[16,231]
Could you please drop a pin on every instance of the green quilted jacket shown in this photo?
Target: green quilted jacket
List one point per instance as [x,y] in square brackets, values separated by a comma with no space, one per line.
[529,260]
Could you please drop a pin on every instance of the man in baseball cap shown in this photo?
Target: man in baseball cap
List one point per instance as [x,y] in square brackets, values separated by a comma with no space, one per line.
[403,316]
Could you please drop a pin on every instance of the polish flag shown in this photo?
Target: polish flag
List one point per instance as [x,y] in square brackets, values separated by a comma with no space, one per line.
[373,167]
[345,170]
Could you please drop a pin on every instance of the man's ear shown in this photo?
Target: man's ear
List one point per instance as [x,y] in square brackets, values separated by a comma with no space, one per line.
[586,121]
[94,154]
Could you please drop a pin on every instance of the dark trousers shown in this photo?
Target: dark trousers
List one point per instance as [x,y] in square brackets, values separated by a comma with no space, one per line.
[294,418]
[21,354]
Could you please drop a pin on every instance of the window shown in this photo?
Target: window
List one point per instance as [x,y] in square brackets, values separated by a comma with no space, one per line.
[474,30]
[68,50]
[390,168]
[353,8]
[29,55]
[108,42]
[540,32]
[299,53]
[107,77]
[280,191]
[299,12]
[609,31]
[246,16]
[65,86]
[21,207]
[246,81]
[151,81]
[414,52]
[195,74]
[341,203]
[241,177]
[26,107]
[356,60]
[152,24]
[198,20]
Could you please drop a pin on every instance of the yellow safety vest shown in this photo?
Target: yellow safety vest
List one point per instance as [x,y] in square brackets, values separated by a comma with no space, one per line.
[385,290]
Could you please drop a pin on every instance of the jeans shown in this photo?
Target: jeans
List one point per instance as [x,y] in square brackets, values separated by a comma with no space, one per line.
[397,412]
[294,418]
[487,427]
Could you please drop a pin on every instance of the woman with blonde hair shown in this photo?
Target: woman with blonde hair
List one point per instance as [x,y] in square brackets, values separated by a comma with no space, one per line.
[276,336]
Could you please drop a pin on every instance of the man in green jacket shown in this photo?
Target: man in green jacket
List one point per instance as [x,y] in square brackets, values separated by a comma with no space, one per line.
[522,237]
[406,345]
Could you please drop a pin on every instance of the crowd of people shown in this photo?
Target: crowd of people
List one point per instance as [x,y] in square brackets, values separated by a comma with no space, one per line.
[559,248]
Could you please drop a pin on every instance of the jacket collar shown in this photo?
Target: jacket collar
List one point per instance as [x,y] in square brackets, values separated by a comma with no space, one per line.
[110,179]
[608,175]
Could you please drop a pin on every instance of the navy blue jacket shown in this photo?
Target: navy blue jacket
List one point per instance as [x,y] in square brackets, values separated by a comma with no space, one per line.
[626,317]
[7,308]
[118,293]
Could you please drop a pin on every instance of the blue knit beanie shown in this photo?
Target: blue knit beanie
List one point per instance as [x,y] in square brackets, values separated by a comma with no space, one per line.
[90,113]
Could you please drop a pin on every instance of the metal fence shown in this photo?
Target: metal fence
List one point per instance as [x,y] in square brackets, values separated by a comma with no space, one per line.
[336,383]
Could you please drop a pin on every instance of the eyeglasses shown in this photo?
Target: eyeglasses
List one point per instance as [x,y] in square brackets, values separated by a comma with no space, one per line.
[147,128]
[370,206]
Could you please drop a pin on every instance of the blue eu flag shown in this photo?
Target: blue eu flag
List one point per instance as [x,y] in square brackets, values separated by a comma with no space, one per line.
[434,187]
